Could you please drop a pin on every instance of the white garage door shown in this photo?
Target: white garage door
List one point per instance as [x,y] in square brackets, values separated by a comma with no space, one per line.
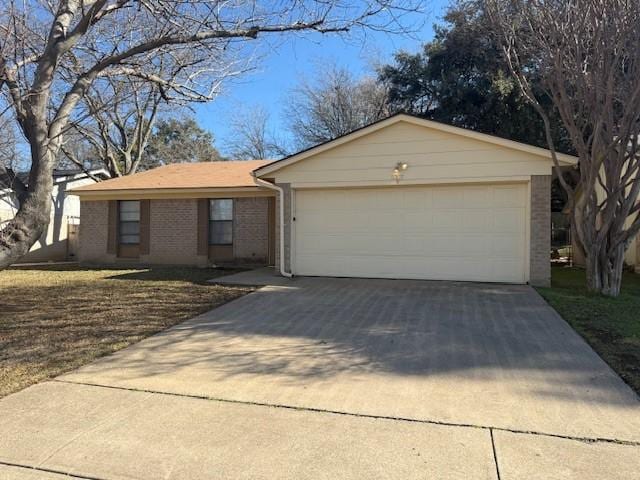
[475,233]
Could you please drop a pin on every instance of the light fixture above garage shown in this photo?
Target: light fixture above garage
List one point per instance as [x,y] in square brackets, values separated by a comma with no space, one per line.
[398,170]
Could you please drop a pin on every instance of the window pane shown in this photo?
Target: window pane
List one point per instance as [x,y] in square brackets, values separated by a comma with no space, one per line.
[129,216]
[221,209]
[130,239]
[130,206]
[221,233]
[128,228]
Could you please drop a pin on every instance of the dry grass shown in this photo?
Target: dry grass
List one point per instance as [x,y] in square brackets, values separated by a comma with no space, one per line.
[54,319]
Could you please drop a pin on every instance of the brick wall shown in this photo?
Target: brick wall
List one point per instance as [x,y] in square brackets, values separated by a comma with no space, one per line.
[539,256]
[94,226]
[251,229]
[173,233]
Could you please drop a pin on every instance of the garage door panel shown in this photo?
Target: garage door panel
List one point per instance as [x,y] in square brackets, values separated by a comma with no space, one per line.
[413,200]
[506,269]
[477,220]
[509,196]
[477,197]
[506,246]
[419,222]
[474,233]
[508,220]
[444,198]
[448,220]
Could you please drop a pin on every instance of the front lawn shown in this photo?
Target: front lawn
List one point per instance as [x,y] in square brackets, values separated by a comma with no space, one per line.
[610,325]
[56,318]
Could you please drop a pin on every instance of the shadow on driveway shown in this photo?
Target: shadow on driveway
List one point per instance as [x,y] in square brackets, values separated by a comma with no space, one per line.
[455,352]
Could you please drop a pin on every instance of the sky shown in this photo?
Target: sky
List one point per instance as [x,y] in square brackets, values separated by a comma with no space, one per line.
[283,61]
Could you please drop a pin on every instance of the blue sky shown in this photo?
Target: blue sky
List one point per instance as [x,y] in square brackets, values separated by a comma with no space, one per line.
[282,61]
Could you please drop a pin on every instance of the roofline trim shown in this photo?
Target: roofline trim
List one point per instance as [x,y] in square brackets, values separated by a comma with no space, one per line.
[415,120]
[155,191]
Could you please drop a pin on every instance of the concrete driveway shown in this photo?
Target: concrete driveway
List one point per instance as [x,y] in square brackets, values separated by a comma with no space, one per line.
[338,378]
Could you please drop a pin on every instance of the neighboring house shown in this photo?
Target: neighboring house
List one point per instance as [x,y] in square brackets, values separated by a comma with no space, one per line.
[632,255]
[401,198]
[59,242]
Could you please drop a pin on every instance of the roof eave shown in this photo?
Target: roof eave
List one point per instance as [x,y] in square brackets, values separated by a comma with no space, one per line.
[168,192]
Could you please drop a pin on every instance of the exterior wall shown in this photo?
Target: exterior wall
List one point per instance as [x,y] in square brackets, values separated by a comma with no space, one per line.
[173,233]
[94,231]
[632,255]
[251,230]
[288,198]
[540,231]
[432,156]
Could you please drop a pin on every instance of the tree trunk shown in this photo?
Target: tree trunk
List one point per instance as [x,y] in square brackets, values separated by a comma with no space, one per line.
[19,234]
[604,270]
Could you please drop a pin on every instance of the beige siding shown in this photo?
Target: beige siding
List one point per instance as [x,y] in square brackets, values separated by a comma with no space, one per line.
[432,157]
[632,255]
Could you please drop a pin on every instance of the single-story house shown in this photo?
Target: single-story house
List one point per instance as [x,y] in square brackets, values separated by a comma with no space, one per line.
[59,241]
[401,198]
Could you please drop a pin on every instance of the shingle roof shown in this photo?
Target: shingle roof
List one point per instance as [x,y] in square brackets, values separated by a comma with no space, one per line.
[223,174]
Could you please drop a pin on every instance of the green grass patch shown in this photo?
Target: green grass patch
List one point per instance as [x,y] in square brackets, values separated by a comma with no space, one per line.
[610,325]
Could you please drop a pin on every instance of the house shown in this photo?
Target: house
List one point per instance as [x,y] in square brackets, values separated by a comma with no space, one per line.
[632,254]
[59,241]
[632,257]
[401,198]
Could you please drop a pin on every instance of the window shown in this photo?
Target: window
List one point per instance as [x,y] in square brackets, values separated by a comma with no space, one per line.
[221,221]
[129,222]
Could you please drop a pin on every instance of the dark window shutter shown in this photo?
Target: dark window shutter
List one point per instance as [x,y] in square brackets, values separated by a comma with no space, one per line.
[112,228]
[145,226]
[203,226]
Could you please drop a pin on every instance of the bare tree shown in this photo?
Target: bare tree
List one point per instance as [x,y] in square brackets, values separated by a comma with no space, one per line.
[334,104]
[587,53]
[117,116]
[116,124]
[53,53]
[7,143]
[251,138]
[10,159]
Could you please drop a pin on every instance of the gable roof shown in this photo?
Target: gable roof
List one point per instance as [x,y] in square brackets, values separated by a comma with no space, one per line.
[414,120]
[221,174]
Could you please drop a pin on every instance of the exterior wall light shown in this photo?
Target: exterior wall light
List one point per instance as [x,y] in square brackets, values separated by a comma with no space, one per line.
[398,170]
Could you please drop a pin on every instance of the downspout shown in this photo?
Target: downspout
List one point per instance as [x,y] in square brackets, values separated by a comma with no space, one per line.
[271,186]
